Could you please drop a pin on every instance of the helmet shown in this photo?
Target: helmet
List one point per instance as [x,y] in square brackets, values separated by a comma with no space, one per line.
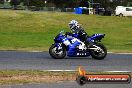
[73,25]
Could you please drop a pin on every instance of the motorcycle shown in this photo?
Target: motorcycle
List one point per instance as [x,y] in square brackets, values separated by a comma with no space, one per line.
[72,46]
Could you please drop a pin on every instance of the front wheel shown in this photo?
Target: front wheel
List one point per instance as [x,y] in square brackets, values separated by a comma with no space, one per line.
[57,53]
[99,53]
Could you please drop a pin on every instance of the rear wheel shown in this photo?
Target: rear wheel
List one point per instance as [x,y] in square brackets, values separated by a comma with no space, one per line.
[99,53]
[57,53]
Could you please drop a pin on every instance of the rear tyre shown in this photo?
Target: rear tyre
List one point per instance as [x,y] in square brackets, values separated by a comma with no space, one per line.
[55,53]
[99,54]
[120,15]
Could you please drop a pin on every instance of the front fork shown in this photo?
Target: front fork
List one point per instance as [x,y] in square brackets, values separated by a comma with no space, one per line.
[58,46]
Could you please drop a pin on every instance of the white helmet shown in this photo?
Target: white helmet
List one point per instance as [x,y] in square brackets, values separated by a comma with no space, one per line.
[73,25]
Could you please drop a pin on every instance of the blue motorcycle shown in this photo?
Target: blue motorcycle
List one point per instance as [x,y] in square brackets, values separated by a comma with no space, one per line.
[72,46]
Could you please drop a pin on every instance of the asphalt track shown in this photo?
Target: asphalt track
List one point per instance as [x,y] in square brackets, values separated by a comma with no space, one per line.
[43,61]
[68,85]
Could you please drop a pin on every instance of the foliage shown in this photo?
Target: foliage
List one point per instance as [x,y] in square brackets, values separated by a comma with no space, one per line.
[15,2]
[72,3]
[129,4]
[1,1]
[38,3]
[112,3]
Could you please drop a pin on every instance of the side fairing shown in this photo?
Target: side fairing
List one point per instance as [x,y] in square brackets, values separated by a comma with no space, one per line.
[76,36]
[96,37]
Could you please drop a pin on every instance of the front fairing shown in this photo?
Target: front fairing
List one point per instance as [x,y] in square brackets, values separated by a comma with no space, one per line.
[59,38]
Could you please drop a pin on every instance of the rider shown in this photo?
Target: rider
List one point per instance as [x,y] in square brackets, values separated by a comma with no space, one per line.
[77,29]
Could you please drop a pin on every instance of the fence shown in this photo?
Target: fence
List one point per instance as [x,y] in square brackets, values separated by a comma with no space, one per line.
[34,8]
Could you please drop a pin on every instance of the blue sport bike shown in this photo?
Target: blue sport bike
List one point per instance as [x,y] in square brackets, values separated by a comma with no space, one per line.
[72,46]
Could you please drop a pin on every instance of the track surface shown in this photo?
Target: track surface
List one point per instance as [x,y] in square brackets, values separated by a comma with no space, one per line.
[43,61]
[69,85]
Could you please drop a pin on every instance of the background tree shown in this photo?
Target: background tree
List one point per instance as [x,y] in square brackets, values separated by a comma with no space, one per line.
[112,3]
[71,3]
[14,3]
[37,3]
[84,3]
[66,3]
[1,1]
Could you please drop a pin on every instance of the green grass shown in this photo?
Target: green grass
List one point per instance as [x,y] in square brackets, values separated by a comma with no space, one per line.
[25,30]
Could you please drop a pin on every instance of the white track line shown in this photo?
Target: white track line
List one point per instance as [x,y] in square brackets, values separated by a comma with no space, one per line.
[60,70]
[76,70]
[108,52]
[122,53]
[47,51]
[36,51]
[117,71]
[118,53]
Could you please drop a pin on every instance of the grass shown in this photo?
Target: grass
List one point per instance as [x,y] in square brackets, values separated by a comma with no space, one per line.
[34,76]
[25,30]
[37,76]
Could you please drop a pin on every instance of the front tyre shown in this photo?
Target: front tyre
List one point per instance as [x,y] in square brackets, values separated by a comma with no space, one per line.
[55,53]
[99,53]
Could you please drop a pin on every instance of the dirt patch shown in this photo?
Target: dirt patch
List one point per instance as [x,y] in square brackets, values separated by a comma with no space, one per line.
[19,78]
